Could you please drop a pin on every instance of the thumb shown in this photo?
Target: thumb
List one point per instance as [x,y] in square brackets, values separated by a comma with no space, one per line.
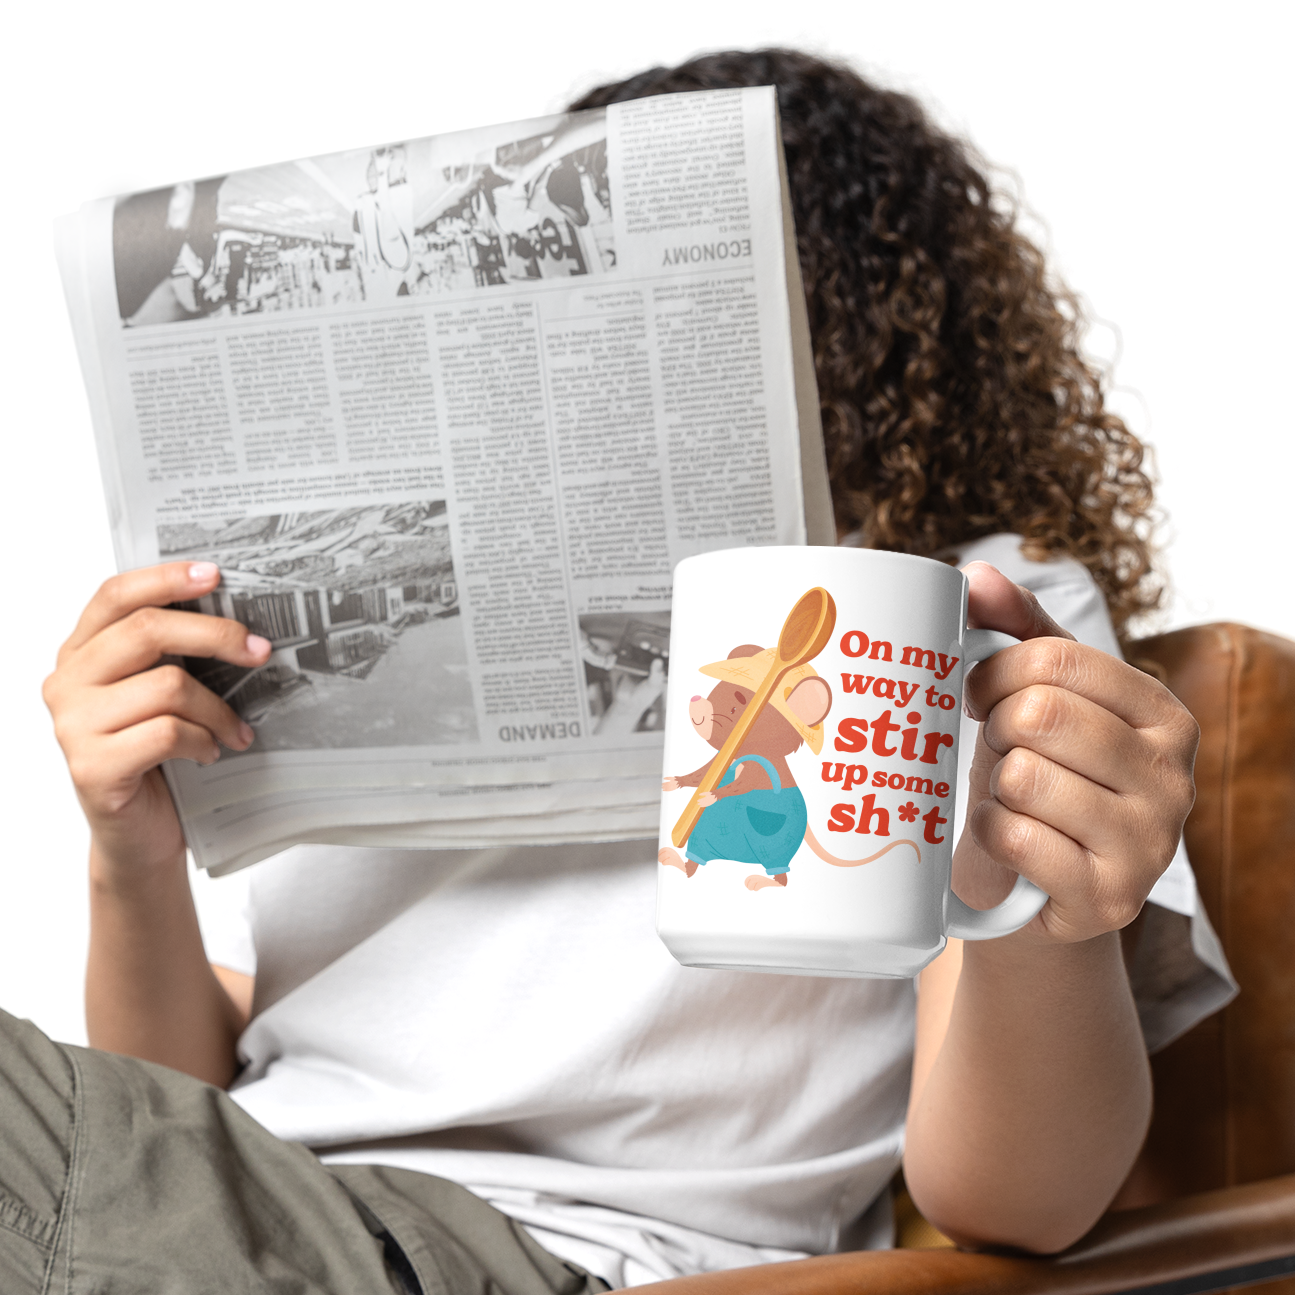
[995,603]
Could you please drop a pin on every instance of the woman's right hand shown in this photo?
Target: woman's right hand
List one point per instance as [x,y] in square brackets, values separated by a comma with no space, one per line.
[119,712]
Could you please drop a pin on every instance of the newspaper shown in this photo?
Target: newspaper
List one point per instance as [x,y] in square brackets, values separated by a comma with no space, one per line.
[446,412]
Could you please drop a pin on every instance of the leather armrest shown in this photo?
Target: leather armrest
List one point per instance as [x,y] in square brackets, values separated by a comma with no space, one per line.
[1249,1227]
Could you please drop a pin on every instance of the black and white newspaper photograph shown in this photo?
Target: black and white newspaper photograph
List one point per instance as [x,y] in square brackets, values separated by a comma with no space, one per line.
[369,226]
[361,608]
[626,661]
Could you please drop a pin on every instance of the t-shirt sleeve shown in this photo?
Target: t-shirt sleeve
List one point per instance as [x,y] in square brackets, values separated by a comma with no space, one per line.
[1179,972]
[1177,967]
[224,917]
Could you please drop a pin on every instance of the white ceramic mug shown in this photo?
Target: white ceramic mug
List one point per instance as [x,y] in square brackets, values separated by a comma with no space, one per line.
[811,755]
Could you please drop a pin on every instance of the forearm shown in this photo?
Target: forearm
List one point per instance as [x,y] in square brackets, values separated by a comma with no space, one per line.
[1024,1124]
[150,992]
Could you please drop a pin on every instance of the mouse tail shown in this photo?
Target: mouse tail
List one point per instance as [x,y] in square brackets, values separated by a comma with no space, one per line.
[812,841]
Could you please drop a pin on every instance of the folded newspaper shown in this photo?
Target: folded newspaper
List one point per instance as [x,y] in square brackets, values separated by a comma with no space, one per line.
[446,413]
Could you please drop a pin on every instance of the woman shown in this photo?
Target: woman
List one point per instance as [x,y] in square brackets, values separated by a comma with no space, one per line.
[507,1019]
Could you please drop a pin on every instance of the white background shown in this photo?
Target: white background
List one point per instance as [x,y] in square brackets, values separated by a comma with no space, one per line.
[1152,142]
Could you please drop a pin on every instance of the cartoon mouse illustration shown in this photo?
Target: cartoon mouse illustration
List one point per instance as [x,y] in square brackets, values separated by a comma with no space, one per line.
[757,814]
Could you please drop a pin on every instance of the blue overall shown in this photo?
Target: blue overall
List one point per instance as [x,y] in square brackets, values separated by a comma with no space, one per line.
[764,827]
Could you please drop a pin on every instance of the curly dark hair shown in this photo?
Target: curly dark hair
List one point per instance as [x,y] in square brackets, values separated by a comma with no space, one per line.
[956,402]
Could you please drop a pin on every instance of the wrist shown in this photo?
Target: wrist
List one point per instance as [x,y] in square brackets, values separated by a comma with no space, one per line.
[1029,957]
[119,869]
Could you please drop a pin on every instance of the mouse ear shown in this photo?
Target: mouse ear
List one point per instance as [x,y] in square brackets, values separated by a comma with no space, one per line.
[810,700]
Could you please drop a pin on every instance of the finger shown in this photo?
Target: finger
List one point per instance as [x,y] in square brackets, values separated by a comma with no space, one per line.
[166,737]
[158,586]
[1135,832]
[995,603]
[1073,731]
[110,766]
[144,637]
[1135,697]
[1084,899]
[164,690]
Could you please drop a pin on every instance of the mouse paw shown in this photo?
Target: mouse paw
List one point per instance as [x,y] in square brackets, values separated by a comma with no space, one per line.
[671,859]
[759,882]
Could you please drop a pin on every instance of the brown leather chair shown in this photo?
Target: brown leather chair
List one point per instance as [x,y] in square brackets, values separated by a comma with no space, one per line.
[1214,1189]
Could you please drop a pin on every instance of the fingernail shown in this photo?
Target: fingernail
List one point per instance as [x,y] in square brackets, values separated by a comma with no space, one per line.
[246,734]
[256,645]
[202,572]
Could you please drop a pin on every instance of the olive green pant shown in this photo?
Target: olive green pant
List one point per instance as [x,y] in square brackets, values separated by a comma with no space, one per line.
[119,1177]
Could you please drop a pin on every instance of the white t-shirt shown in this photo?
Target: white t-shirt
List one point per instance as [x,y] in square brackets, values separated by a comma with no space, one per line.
[508,1019]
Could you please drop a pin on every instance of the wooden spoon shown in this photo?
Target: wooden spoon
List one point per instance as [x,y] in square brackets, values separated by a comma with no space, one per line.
[804,635]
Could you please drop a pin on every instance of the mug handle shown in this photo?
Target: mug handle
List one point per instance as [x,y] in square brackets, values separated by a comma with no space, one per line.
[962,922]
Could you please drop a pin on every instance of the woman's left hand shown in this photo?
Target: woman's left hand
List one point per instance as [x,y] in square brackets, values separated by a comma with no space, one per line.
[1082,776]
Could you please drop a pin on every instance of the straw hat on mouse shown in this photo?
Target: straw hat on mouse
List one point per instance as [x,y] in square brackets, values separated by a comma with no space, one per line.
[751,671]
